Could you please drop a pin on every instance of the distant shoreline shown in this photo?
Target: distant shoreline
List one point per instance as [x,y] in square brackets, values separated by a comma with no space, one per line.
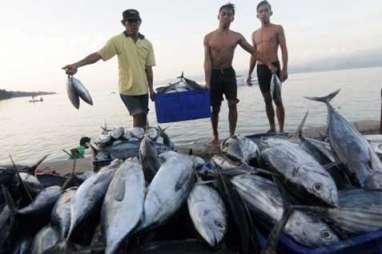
[4,94]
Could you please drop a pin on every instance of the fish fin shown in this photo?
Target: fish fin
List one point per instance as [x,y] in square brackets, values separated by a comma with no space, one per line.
[325,99]
[271,245]
[24,184]
[238,213]
[35,166]
[298,133]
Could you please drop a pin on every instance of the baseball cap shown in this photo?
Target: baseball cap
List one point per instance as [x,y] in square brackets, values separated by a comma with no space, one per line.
[131,14]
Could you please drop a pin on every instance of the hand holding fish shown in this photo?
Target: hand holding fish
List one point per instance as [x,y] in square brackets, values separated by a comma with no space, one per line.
[284,75]
[70,69]
[272,68]
[249,81]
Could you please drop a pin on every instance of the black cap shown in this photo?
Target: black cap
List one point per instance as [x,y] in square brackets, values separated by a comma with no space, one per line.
[131,14]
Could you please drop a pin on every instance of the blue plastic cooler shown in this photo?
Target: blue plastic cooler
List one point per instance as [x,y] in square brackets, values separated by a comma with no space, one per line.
[182,106]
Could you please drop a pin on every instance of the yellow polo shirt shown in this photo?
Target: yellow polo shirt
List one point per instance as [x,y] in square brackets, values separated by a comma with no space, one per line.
[133,57]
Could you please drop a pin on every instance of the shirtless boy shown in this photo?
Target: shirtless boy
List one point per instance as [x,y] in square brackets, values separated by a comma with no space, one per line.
[220,77]
[267,40]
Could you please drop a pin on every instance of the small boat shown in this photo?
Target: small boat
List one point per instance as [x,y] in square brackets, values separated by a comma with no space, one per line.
[36,100]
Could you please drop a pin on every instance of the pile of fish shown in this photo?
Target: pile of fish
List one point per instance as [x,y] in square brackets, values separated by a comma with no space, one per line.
[122,143]
[76,90]
[316,192]
[183,84]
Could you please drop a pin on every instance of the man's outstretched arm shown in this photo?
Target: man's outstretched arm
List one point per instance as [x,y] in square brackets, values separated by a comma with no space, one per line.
[71,69]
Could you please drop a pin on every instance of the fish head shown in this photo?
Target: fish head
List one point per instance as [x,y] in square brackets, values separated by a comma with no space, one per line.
[374,181]
[323,187]
[310,230]
[232,148]
[153,133]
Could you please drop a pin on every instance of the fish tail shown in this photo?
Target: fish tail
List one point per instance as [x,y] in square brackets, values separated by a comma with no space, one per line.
[325,99]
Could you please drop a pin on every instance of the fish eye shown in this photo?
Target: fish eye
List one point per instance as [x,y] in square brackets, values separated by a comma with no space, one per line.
[325,235]
[317,186]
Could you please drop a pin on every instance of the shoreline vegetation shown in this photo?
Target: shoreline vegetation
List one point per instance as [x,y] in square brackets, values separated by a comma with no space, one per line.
[4,94]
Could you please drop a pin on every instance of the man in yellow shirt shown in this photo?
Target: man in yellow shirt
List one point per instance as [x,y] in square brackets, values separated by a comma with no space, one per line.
[135,60]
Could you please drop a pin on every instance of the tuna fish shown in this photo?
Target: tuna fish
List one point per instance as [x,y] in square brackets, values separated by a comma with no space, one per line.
[117,133]
[90,194]
[303,172]
[123,205]
[241,149]
[359,211]
[149,158]
[81,91]
[61,212]
[208,213]
[72,93]
[265,199]
[45,239]
[43,202]
[351,148]
[275,87]
[168,190]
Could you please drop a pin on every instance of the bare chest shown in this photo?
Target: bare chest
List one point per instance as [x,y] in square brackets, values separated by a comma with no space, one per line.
[266,37]
[218,43]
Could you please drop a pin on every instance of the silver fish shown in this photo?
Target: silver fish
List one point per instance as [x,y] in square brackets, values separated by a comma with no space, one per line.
[43,202]
[117,133]
[301,170]
[149,158]
[90,195]
[81,90]
[241,149]
[264,198]
[61,212]
[320,150]
[275,87]
[32,181]
[208,213]
[123,149]
[45,239]
[153,133]
[351,148]
[123,205]
[359,211]
[168,190]
[72,93]
[230,167]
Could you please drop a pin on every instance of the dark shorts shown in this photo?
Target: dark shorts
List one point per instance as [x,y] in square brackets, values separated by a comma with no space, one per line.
[223,81]
[264,76]
[136,105]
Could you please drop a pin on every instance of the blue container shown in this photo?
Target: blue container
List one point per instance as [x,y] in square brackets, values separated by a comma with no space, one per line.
[370,243]
[182,106]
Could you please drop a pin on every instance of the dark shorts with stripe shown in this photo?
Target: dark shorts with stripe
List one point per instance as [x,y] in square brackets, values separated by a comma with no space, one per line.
[264,76]
[223,81]
[136,104]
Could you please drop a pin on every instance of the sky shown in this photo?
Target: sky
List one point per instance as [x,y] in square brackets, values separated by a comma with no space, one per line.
[39,37]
